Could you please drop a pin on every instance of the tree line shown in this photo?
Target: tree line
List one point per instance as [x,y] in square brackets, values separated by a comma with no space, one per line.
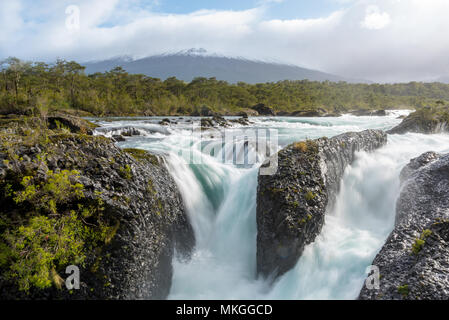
[39,87]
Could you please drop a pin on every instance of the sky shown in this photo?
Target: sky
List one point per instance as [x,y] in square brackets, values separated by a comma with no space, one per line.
[378,40]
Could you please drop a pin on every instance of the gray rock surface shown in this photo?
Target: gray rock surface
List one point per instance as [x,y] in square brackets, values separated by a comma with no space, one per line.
[414,262]
[291,204]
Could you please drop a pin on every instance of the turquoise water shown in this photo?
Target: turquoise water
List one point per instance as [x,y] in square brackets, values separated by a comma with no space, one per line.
[220,197]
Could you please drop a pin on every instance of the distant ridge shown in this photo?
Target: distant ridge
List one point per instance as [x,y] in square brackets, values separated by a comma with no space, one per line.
[188,64]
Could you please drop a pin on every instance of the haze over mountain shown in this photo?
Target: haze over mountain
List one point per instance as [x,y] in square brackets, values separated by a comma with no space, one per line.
[443,79]
[188,64]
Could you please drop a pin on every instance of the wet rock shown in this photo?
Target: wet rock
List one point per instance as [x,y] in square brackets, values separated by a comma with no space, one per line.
[263,110]
[131,132]
[414,262]
[214,122]
[379,113]
[118,138]
[165,122]
[291,203]
[241,121]
[417,163]
[247,113]
[309,113]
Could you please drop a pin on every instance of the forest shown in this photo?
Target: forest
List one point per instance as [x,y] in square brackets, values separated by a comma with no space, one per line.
[39,88]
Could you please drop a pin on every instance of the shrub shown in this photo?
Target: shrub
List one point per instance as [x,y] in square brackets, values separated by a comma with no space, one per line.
[56,227]
[420,242]
[403,290]
[57,189]
[43,246]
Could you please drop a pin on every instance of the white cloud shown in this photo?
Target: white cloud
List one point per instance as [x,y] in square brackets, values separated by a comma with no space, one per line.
[374,19]
[392,41]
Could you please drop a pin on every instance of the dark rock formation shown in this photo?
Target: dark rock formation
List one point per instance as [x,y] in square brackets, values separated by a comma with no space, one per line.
[74,124]
[244,121]
[309,113]
[291,204]
[118,138]
[138,195]
[247,113]
[379,113]
[263,110]
[426,120]
[165,122]
[204,111]
[414,262]
[129,132]
[218,121]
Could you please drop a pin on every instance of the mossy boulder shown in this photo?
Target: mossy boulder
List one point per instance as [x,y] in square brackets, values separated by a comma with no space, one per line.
[75,199]
[71,123]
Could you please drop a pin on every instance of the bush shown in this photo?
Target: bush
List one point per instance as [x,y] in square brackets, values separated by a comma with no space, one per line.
[55,225]
[57,189]
[43,246]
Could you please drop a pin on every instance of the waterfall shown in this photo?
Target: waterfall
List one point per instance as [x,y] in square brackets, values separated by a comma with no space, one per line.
[221,202]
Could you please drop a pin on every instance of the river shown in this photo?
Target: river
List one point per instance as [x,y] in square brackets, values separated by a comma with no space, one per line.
[220,197]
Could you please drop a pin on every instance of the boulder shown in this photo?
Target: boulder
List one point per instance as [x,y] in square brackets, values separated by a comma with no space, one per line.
[244,121]
[263,110]
[138,198]
[165,122]
[118,138]
[129,132]
[414,263]
[247,113]
[363,112]
[307,113]
[291,203]
[73,124]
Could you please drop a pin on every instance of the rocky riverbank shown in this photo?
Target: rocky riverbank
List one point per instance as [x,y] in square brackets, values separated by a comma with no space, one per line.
[291,204]
[69,198]
[426,120]
[414,263]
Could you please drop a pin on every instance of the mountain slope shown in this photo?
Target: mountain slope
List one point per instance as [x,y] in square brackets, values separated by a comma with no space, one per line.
[186,65]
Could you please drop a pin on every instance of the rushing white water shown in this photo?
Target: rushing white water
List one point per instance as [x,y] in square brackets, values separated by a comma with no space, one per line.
[221,201]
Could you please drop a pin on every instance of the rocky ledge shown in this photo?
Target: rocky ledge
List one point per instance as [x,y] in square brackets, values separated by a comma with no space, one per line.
[371,113]
[414,261]
[291,204]
[76,199]
[426,120]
